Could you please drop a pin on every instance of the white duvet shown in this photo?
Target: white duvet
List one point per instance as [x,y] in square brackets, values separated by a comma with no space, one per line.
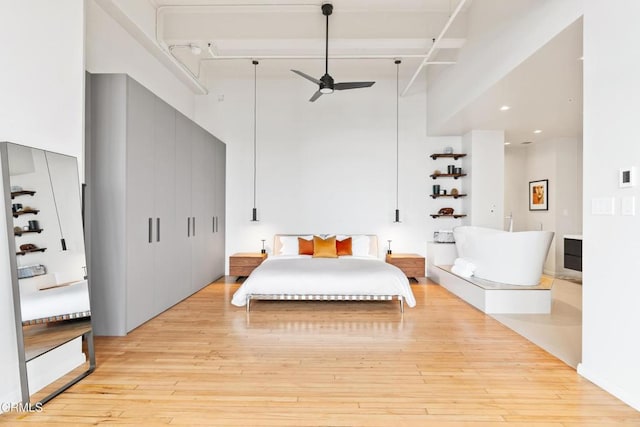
[58,301]
[305,275]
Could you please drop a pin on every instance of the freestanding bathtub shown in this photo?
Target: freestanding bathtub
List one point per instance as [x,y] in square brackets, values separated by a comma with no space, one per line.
[500,256]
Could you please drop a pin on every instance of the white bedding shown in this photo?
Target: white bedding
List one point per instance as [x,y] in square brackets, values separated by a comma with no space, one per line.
[305,275]
[71,299]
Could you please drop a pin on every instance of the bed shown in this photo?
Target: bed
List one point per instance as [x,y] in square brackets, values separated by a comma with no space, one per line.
[287,275]
[61,302]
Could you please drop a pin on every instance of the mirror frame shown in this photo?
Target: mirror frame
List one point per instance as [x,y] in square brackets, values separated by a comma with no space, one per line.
[86,334]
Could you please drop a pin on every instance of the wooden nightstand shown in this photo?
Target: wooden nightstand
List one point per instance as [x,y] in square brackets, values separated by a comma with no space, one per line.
[242,264]
[412,265]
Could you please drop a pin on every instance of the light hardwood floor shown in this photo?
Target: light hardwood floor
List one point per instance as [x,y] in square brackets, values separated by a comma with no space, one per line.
[329,364]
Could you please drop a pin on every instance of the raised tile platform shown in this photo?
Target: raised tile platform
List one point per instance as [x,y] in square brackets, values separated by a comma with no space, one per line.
[493,298]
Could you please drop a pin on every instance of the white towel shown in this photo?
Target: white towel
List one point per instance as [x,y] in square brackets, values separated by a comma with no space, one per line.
[463,268]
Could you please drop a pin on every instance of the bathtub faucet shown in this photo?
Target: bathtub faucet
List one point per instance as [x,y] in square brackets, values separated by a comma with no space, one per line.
[510,218]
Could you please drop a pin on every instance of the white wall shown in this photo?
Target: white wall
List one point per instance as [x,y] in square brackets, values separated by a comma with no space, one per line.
[111,49]
[611,295]
[484,165]
[323,167]
[559,161]
[42,89]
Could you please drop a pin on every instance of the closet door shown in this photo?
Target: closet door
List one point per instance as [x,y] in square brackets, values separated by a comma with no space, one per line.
[140,208]
[210,266]
[200,222]
[183,160]
[219,203]
[164,273]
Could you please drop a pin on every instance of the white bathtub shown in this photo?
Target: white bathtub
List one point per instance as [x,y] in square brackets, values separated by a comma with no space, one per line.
[504,257]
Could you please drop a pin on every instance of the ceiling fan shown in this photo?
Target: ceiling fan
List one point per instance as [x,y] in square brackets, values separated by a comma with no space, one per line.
[326,83]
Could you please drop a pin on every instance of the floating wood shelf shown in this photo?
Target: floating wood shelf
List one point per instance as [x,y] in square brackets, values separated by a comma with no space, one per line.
[20,233]
[447,175]
[452,155]
[25,212]
[31,250]
[450,216]
[22,193]
[455,196]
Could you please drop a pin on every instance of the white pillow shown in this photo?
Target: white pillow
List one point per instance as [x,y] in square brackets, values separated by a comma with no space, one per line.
[289,245]
[360,245]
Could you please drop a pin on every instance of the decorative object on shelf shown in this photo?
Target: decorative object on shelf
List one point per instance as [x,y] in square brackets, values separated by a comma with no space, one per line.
[397,62]
[31,271]
[446,211]
[254,211]
[454,191]
[448,150]
[452,216]
[437,172]
[443,236]
[389,247]
[457,171]
[443,192]
[539,195]
[16,207]
[451,169]
[33,225]
[436,189]
[263,250]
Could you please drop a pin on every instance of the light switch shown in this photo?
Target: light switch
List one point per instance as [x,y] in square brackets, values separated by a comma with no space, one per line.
[629,205]
[603,206]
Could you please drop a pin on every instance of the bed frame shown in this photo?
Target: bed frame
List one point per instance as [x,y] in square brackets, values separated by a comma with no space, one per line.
[277,247]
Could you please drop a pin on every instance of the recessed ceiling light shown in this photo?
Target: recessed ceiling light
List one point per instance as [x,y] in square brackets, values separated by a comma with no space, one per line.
[507,143]
[537,131]
[505,108]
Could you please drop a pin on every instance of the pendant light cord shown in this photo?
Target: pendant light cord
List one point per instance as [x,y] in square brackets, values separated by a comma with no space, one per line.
[55,203]
[255,110]
[397,129]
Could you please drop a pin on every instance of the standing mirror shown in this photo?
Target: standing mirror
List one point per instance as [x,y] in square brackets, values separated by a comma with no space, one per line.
[48,269]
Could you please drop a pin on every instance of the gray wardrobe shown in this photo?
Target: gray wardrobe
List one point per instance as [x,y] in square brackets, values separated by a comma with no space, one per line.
[156,191]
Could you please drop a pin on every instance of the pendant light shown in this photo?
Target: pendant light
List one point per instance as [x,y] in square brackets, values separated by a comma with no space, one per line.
[254,212]
[397,62]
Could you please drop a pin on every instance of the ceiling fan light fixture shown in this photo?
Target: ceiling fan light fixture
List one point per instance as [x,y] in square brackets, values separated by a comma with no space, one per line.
[326,90]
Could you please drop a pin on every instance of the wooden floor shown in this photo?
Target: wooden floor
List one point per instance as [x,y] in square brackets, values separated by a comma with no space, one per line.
[328,364]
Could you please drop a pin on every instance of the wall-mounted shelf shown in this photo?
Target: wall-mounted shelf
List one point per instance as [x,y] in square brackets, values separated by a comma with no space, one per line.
[31,250]
[452,155]
[450,216]
[447,175]
[455,196]
[20,233]
[25,212]
[22,193]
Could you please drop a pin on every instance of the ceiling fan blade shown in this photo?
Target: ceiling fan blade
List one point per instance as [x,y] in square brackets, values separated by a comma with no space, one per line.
[306,76]
[315,96]
[352,85]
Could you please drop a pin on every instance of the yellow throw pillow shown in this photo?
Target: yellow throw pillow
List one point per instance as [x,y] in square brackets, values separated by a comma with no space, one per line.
[324,248]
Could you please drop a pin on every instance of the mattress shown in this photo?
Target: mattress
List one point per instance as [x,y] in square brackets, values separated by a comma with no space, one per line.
[305,275]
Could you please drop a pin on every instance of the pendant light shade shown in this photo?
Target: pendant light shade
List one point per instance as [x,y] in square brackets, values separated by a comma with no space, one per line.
[254,212]
[397,62]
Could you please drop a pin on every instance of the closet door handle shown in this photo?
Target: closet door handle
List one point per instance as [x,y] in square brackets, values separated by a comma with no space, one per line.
[157,229]
[194,225]
[150,230]
[213,224]
[188,226]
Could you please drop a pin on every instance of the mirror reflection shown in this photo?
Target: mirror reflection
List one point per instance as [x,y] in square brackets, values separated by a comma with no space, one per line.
[53,312]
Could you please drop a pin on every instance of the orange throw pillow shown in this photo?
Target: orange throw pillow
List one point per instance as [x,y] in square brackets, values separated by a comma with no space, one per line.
[343,247]
[324,248]
[305,247]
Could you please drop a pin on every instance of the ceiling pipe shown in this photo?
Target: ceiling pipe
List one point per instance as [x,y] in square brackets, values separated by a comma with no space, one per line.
[433,46]
[250,57]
